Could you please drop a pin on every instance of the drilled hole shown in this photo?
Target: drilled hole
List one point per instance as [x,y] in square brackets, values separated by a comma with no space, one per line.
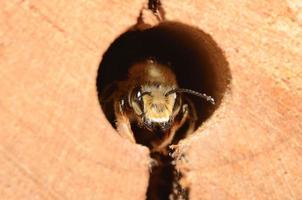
[195,58]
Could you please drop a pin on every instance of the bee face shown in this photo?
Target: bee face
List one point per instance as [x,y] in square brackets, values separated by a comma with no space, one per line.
[154,109]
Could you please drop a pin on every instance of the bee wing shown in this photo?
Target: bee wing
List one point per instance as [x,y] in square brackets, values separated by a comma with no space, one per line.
[107,97]
[108,93]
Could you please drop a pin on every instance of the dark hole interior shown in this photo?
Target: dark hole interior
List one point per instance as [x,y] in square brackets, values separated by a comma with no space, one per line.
[199,64]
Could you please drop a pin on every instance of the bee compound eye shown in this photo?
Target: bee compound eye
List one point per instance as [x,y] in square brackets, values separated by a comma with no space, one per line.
[136,101]
[139,95]
[122,102]
[177,103]
[135,95]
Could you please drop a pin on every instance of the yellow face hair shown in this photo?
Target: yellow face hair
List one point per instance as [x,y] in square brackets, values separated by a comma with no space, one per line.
[158,107]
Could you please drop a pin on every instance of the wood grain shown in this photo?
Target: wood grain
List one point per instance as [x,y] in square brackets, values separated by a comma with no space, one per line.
[55,142]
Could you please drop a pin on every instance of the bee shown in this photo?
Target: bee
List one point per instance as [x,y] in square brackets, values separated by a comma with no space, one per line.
[150,102]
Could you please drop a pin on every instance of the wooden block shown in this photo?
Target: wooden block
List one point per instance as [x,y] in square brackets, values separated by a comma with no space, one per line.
[55,142]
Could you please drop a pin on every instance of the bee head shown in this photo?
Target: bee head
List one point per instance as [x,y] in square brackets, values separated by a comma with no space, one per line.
[155,106]
[154,109]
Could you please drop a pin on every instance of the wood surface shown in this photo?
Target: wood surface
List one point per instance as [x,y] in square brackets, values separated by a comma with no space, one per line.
[55,142]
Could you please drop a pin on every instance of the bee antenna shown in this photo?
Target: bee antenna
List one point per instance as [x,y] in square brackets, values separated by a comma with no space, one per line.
[188,91]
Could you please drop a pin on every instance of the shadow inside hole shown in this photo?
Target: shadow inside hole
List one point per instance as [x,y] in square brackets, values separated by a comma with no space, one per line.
[198,63]
[192,54]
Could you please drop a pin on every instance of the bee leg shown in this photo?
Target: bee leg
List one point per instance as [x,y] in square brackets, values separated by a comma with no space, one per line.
[169,136]
[192,117]
[153,162]
[122,122]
